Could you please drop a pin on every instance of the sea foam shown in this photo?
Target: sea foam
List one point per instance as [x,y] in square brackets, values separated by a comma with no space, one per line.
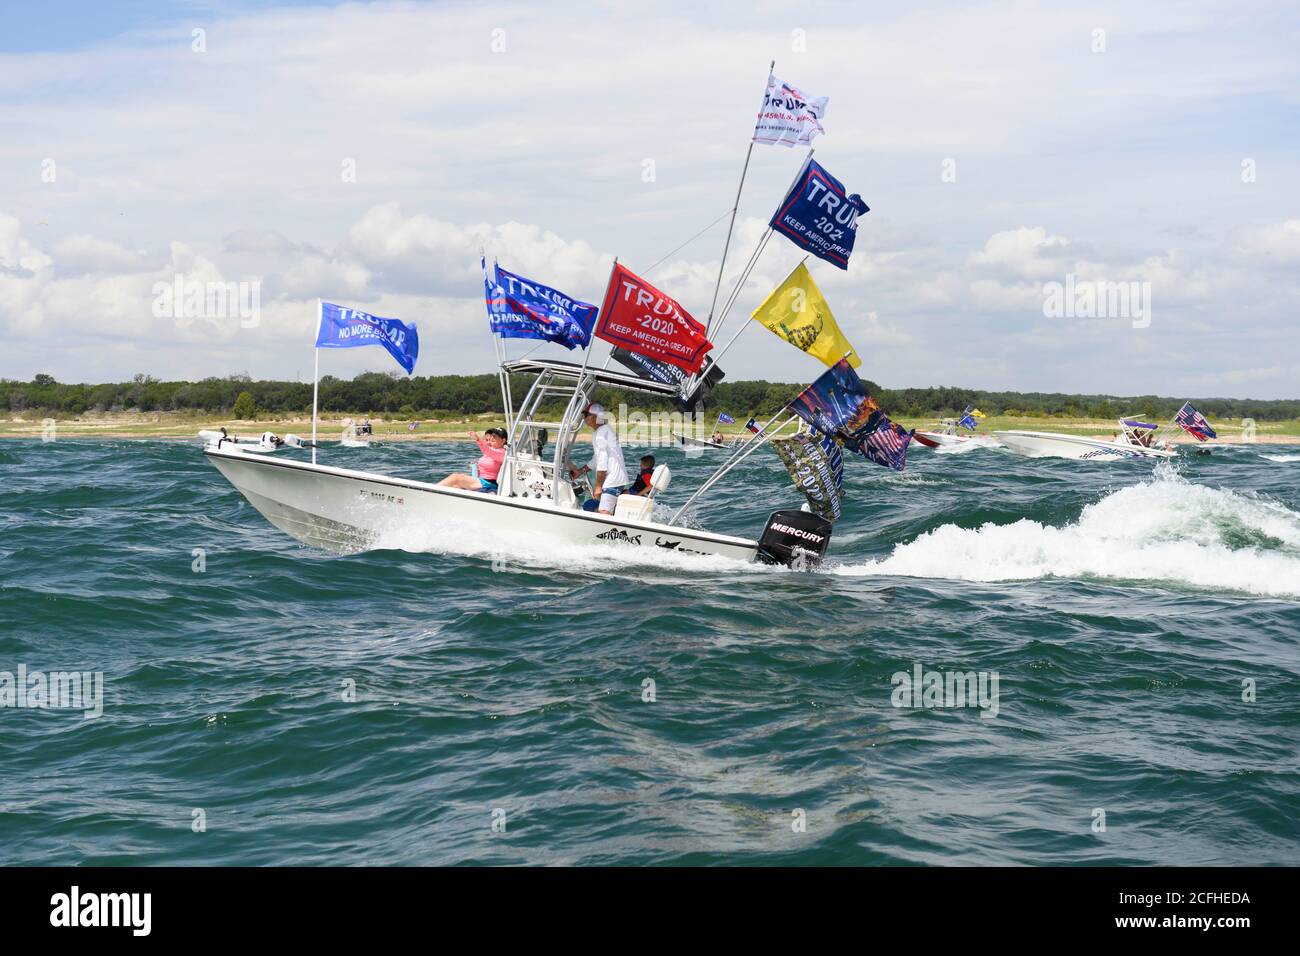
[1165,529]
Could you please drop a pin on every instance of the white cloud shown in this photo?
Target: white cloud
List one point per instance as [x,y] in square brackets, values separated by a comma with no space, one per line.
[228,164]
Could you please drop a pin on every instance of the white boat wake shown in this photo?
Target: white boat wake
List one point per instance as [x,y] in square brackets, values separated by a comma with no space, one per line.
[1281,458]
[1165,529]
[518,550]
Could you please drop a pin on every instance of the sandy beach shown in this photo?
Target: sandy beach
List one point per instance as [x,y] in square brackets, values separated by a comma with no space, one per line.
[180,426]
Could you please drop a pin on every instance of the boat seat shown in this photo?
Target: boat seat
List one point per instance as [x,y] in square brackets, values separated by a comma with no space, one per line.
[660,479]
[634,508]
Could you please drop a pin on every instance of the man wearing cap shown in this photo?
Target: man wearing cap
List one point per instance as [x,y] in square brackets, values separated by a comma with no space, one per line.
[606,462]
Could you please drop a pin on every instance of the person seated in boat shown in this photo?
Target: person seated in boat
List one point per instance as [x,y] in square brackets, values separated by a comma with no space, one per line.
[365,428]
[488,467]
[718,438]
[641,484]
[607,462]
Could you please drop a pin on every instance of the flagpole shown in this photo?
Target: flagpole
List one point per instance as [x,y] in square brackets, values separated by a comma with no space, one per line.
[737,457]
[498,351]
[315,383]
[758,251]
[743,327]
[726,246]
[561,448]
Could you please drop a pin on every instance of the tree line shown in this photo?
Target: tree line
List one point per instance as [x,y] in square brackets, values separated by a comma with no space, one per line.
[455,396]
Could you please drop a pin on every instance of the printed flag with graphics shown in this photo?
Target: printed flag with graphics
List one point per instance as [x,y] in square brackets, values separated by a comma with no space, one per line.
[885,444]
[1194,423]
[797,311]
[520,308]
[837,403]
[817,466]
[640,318]
[818,216]
[344,328]
[726,419]
[788,116]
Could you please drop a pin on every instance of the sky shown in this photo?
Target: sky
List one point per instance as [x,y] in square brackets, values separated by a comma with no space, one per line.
[365,153]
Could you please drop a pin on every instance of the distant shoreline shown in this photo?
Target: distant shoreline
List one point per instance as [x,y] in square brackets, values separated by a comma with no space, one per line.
[171,427]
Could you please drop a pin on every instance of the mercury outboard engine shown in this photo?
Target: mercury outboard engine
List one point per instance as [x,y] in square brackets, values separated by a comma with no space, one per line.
[797,539]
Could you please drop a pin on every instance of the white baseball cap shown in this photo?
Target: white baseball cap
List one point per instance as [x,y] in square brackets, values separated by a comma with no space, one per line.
[594,409]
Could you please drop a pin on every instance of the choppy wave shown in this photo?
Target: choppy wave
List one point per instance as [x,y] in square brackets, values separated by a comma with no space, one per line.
[505,671]
[1164,529]
[1281,458]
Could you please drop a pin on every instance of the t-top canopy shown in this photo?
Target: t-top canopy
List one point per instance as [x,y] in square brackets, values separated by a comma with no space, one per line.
[603,376]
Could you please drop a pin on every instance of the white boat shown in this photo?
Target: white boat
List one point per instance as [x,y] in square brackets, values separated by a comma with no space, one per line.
[357,436]
[266,443]
[954,431]
[345,510]
[1135,439]
[950,437]
[687,441]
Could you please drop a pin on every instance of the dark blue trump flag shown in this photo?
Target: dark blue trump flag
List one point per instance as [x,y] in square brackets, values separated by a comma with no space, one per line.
[837,403]
[819,217]
[344,328]
[839,406]
[519,308]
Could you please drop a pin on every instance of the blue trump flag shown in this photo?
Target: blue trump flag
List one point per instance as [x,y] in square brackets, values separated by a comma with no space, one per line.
[344,328]
[819,217]
[520,308]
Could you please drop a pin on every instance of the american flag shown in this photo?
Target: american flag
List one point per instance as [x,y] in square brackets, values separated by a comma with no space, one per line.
[887,445]
[1194,423]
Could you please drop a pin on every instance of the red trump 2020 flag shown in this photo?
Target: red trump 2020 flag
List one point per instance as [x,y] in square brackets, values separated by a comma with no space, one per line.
[642,319]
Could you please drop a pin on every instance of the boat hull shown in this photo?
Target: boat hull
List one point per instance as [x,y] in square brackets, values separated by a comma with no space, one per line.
[1053,445]
[944,439]
[686,441]
[344,511]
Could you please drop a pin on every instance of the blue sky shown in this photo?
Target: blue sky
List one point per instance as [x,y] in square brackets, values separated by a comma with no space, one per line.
[129,156]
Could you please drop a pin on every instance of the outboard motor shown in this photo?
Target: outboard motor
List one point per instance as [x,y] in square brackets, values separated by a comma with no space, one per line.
[796,539]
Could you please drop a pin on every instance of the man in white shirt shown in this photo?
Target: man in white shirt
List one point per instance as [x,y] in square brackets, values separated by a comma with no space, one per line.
[606,461]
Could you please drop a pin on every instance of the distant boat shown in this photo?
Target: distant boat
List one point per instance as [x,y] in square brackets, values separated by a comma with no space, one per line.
[686,441]
[952,431]
[1136,439]
[949,436]
[358,436]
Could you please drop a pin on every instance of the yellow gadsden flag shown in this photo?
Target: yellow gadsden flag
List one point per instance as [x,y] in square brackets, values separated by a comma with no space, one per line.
[797,311]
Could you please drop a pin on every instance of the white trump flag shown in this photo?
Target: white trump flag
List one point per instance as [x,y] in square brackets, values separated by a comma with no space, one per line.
[788,116]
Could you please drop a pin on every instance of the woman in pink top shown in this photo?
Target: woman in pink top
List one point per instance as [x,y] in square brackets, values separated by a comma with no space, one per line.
[493,447]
